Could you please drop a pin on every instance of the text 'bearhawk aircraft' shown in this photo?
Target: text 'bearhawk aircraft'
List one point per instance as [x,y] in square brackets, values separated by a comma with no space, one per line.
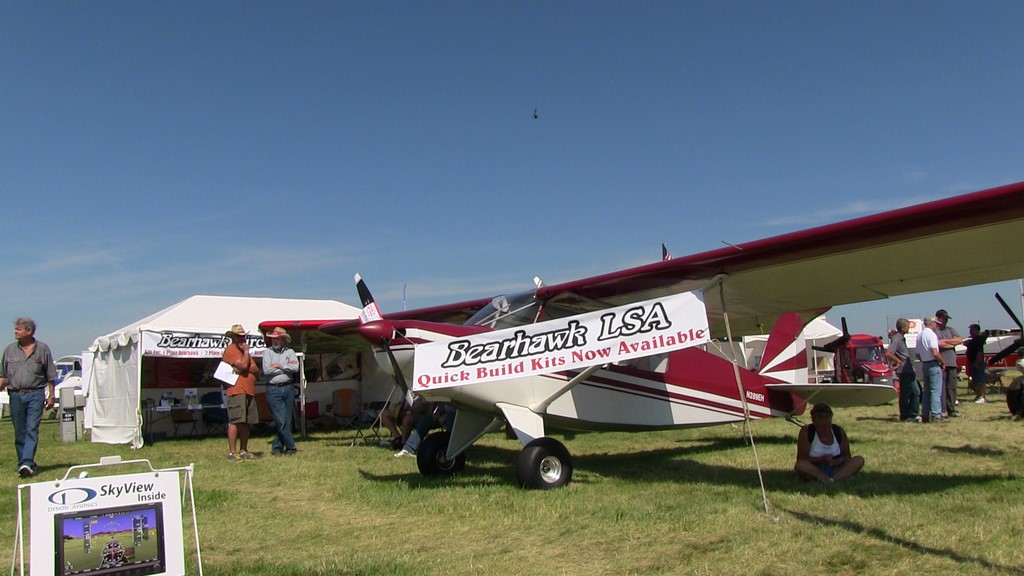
[640,349]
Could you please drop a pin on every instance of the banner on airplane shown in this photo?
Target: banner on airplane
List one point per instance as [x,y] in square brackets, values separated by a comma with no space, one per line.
[636,330]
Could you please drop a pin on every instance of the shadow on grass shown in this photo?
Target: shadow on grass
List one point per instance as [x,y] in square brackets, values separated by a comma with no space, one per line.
[877,419]
[887,538]
[487,465]
[972,450]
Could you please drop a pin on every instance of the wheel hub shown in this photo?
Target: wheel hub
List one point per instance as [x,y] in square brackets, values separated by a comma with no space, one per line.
[550,469]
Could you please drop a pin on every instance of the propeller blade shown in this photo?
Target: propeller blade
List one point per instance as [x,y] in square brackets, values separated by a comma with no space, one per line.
[831,347]
[370,311]
[1013,347]
[1009,311]
[364,293]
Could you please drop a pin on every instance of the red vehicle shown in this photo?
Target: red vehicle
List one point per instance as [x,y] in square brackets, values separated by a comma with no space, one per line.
[859,358]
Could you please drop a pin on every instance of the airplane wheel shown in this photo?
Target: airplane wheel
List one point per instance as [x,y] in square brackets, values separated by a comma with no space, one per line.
[543,464]
[430,457]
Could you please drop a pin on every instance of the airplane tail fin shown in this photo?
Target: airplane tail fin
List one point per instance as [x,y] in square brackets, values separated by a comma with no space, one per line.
[785,353]
[785,359]
[370,311]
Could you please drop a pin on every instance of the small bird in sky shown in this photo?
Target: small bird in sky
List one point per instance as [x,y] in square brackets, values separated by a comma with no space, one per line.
[536,114]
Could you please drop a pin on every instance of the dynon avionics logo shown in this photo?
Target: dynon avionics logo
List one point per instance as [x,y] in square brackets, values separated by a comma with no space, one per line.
[70,498]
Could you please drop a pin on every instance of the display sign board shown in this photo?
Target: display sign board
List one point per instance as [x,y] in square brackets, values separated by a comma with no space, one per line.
[127,525]
[176,344]
[635,330]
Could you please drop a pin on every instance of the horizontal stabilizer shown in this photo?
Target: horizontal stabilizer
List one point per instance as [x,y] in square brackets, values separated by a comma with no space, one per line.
[839,395]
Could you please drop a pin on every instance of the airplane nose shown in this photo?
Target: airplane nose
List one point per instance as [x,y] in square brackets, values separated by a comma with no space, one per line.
[377,332]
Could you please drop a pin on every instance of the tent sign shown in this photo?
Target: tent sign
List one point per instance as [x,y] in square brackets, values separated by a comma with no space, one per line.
[173,344]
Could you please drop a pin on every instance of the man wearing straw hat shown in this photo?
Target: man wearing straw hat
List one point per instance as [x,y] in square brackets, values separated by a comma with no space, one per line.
[242,409]
[280,365]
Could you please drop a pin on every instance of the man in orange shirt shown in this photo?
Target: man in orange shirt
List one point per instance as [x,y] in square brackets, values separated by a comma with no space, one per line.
[242,409]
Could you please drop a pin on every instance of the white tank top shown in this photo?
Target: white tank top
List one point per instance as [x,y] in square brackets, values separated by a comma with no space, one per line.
[819,448]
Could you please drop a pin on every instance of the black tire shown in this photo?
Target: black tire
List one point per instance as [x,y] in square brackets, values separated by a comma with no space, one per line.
[1015,397]
[430,457]
[544,464]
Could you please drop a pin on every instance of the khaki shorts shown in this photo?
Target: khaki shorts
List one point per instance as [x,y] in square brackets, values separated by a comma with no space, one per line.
[242,409]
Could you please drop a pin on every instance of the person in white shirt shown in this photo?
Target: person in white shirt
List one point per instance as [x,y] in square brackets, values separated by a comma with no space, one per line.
[932,366]
[823,450]
[280,365]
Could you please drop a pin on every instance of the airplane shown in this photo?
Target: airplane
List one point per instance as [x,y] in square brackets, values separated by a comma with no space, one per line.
[647,348]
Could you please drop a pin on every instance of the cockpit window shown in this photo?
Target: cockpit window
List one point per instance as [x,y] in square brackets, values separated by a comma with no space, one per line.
[506,311]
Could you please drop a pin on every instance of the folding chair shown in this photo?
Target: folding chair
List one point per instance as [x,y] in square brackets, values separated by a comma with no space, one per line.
[184,417]
[372,414]
[348,410]
[215,415]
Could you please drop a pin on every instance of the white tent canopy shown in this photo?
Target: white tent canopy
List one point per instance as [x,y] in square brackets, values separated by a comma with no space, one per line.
[192,328]
[816,333]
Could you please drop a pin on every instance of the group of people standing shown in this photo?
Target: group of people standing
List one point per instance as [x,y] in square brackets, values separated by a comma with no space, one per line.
[823,450]
[935,398]
[28,372]
[280,365]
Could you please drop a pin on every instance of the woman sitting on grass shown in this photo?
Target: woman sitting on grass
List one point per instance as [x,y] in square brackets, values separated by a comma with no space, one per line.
[823,450]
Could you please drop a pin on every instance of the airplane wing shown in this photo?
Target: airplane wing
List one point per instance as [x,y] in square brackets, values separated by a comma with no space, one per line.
[949,243]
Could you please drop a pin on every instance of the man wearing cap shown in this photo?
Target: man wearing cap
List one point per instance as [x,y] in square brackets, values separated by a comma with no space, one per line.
[27,373]
[242,410]
[949,338]
[280,365]
[932,366]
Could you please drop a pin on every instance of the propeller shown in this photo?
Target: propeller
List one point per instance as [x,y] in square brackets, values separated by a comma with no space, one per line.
[833,345]
[374,328]
[1016,344]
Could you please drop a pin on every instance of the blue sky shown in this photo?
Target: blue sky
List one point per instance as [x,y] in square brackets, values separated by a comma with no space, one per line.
[151,151]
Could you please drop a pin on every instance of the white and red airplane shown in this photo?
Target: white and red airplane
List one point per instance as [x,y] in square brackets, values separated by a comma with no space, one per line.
[641,349]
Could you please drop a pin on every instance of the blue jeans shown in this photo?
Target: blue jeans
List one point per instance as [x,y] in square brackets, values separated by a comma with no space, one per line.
[426,423]
[27,413]
[931,404]
[281,400]
[979,379]
[910,396]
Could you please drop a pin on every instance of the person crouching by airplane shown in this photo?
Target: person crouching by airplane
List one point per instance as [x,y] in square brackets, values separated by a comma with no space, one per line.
[823,450]
[440,415]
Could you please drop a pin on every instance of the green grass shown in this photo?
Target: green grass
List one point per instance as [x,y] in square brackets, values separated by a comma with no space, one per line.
[932,499]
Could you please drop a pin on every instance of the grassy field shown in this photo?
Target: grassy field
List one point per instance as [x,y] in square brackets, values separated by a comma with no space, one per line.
[933,499]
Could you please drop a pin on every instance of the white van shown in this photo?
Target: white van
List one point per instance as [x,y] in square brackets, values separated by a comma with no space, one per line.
[69,375]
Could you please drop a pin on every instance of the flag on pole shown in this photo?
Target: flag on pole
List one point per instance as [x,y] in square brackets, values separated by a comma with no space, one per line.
[665,254]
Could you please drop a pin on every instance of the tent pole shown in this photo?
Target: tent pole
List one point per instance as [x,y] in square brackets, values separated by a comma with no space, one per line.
[138,441]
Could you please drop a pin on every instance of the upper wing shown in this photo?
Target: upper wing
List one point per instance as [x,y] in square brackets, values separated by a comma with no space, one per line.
[960,241]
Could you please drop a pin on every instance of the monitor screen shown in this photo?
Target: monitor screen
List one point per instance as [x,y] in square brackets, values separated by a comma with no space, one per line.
[121,541]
